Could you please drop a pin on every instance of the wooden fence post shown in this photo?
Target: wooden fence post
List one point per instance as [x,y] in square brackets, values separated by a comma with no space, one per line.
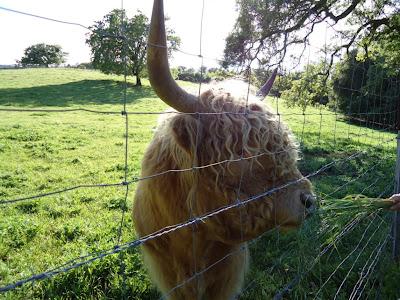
[396,217]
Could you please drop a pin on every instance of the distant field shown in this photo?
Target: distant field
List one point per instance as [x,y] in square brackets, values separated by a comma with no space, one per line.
[44,152]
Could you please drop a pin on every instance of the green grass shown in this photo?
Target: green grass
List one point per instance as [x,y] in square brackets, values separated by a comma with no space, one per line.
[43,152]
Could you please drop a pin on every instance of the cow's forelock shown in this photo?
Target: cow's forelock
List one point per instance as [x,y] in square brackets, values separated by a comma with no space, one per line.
[246,137]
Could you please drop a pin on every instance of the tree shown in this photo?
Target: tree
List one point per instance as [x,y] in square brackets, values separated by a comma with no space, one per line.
[190,74]
[43,55]
[118,43]
[367,89]
[387,46]
[311,89]
[265,29]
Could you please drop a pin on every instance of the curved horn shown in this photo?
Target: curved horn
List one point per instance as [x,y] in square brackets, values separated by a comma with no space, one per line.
[266,88]
[157,63]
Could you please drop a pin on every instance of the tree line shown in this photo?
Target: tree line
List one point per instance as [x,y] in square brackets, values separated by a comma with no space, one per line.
[364,84]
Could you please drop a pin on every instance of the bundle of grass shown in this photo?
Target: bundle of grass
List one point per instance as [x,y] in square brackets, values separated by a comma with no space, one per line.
[355,203]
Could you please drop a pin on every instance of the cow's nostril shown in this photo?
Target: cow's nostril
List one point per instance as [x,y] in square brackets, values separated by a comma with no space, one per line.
[307,200]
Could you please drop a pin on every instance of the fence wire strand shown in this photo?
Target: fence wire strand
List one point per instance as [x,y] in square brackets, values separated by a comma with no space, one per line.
[44,18]
[293,283]
[366,271]
[120,246]
[169,229]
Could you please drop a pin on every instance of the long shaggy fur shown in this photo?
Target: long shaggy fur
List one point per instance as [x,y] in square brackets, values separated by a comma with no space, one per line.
[260,153]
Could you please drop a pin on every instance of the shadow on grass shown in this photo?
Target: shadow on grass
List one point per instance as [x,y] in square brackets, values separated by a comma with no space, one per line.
[348,157]
[380,124]
[84,92]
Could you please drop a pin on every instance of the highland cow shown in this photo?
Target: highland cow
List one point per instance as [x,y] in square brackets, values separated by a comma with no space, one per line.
[246,150]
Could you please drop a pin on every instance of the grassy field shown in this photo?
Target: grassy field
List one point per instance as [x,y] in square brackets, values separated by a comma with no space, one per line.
[44,152]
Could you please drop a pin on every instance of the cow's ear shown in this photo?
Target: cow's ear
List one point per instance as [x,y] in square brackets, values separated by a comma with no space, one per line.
[187,132]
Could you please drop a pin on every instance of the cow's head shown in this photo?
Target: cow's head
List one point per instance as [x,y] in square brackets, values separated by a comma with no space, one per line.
[259,151]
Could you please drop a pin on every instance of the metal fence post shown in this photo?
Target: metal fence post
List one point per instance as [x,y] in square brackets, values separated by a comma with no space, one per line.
[396,217]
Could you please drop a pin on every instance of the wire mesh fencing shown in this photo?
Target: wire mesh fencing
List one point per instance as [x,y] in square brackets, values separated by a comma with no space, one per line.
[72,173]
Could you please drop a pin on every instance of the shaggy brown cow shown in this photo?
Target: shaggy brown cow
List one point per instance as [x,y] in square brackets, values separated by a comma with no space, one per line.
[186,140]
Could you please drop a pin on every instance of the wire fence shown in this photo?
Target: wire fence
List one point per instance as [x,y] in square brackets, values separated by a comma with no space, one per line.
[342,255]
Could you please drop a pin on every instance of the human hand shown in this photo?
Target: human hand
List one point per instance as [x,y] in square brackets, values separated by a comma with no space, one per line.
[396,202]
